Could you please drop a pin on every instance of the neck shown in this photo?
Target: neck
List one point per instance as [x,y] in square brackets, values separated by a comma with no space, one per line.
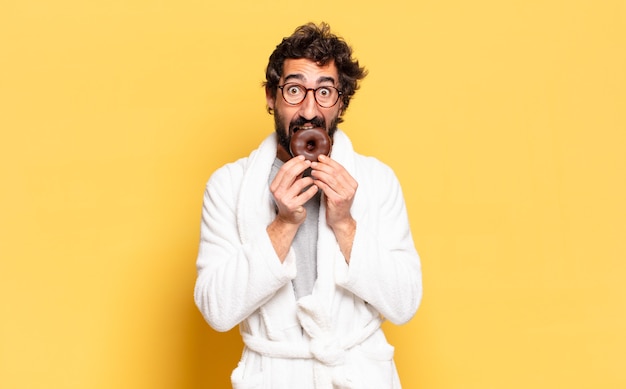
[282,154]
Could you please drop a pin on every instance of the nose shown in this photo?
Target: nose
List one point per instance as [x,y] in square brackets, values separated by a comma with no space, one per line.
[309,108]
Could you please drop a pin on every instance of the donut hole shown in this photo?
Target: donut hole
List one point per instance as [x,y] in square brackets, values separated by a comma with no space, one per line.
[310,145]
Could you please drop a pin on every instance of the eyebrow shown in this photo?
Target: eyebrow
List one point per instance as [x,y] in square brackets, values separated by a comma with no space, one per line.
[300,77]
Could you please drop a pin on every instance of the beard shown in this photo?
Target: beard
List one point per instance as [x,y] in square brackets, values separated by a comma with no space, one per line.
[284,134]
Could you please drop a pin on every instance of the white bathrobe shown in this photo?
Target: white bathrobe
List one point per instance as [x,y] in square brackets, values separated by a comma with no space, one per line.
[331,338]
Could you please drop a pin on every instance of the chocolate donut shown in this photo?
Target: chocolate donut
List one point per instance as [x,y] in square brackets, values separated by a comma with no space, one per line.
[310,142]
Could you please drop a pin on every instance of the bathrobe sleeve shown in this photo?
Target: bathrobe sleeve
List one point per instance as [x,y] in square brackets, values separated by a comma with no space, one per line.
[384,267]
[234,278]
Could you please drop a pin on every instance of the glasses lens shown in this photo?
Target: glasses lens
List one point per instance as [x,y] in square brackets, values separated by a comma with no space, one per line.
[294,93]
[326,96]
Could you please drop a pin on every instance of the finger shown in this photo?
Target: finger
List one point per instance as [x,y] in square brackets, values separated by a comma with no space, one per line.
[333,193]
[331,171]
[339,181]
[327,164]
[308,194]
[290,196]
[289,172]
[295,205]
[300,185]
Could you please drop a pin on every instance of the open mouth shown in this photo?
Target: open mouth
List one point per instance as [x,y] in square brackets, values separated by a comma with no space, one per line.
[305,127]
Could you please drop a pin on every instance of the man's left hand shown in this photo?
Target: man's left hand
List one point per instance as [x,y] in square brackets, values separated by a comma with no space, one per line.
[339,187]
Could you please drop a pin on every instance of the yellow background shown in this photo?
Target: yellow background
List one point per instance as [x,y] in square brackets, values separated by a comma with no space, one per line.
[504,120]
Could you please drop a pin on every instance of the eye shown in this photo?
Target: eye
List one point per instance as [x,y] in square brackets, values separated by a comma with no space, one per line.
[294,90]
[324,92]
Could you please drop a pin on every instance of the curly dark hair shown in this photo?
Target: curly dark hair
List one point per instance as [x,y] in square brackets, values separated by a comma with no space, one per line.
[318,44]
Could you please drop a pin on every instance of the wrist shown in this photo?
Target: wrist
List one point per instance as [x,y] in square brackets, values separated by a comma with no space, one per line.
[345,232]
[344,227]
[283,227]
[281,234]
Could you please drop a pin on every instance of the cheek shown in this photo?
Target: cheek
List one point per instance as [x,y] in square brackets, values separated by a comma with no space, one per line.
[287,113]
[331,117]
[282,117]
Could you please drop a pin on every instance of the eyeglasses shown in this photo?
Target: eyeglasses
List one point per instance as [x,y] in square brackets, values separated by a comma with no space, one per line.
[325,96]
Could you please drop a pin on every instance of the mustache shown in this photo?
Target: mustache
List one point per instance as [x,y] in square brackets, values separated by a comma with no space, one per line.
[300,121]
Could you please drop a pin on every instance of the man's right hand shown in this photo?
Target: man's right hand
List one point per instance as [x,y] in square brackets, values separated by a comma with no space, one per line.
[288,189]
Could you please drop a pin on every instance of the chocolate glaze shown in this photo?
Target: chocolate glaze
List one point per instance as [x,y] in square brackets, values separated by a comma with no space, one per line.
[310,142]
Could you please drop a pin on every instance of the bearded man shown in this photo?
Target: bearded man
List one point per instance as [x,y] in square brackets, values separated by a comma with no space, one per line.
[308,255]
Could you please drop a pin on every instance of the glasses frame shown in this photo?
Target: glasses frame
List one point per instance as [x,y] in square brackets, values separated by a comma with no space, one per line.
[306,93]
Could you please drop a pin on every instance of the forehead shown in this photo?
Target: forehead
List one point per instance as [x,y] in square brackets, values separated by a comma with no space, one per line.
[310,72]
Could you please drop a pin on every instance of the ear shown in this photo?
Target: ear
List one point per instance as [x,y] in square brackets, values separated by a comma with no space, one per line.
[271,101]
